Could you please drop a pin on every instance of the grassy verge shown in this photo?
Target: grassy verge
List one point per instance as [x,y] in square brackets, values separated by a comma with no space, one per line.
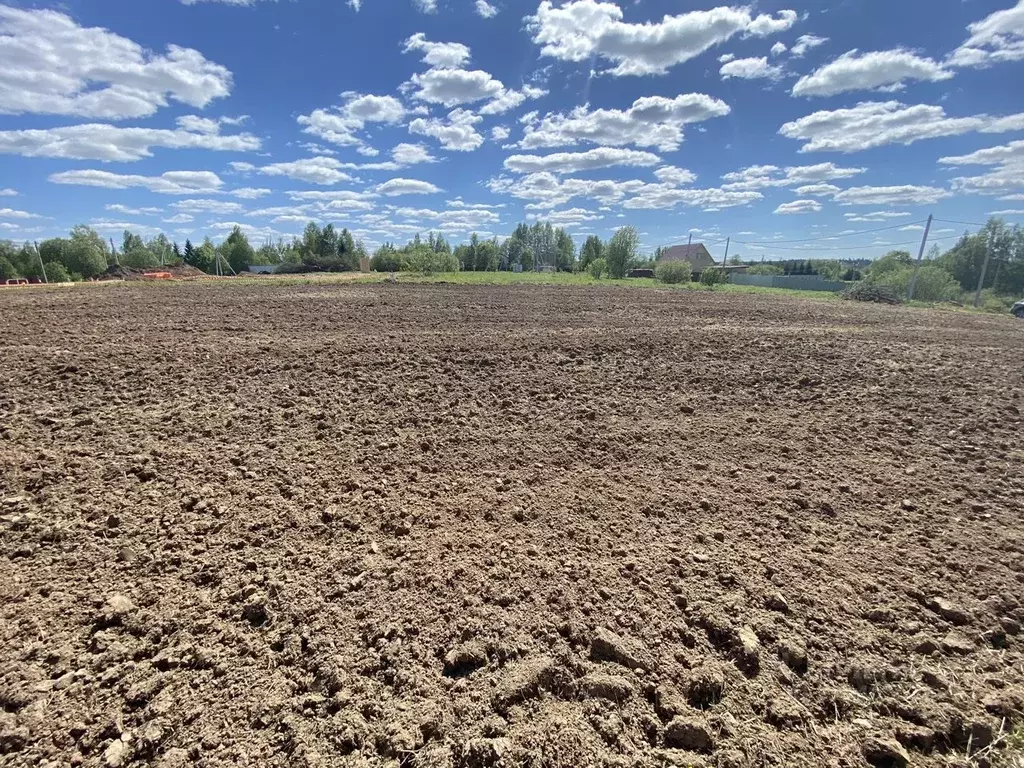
[568,278]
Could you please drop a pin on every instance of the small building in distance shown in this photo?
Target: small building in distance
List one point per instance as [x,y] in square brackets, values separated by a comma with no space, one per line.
[695,254]
[699,259]
[261,269]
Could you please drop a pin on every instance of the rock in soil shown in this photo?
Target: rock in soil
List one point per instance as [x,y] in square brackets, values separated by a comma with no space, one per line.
[885,753]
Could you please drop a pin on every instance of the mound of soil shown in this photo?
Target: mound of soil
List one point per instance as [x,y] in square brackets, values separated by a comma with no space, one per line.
[178,271]
[415,525]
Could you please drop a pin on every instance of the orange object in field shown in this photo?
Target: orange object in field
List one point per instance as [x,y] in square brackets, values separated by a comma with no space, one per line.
[158,275]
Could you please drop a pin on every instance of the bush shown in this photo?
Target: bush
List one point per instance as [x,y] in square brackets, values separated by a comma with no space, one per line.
[139,258]
[673,272]
[426,261]
[766,269]
[386,259]
[57,273]
[597,268]
[7,270]
[712,277]
[991,301]
[933,283]
[621,251]
[867,291]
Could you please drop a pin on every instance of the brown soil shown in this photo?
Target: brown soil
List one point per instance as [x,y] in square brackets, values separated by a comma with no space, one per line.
[414,525]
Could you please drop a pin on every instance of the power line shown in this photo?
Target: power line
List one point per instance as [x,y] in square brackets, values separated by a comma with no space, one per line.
[968,223]
[852,247]
[833,237]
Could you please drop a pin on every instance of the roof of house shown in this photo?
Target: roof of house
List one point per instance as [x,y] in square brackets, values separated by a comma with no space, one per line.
[695,253]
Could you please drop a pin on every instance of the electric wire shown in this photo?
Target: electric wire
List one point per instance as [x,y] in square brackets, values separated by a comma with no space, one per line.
[832,237]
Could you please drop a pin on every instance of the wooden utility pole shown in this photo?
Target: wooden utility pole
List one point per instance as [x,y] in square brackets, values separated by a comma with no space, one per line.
[113,250]
[725,258]
[920,255]
[41,265]
[984,269]
[689,243]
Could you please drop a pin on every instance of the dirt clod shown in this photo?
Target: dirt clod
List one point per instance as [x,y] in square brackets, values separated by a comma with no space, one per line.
[885,753]
[605,645]
[949,610]
[689,733]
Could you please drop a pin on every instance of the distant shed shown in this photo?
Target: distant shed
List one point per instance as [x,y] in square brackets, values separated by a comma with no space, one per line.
[261,269]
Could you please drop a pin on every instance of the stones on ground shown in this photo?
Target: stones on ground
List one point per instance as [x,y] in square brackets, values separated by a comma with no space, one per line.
[114,611]
[116,754]
[689,733]
[747,650]
[793,654]
[885,753]
[957,643]
[597,685]
[948,610]
[605,645]
[465,659]
[740,643]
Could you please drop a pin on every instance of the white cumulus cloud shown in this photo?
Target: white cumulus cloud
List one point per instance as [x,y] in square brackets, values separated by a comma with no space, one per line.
[652,121]
[876,70]
[338,125]
[907,194]
[573,162]
[249,193]
[395,187]
[49,64]
[750,69]
[170,183]
[804,43]
[585,29]
[799,206]
[997,38]
[315,170]
[206,206]
[1007,173]
[101,141]
[485,9]
[874,124]
[457,132]
[437,54]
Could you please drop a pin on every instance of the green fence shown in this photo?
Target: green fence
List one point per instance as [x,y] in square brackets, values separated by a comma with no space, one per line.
[792,282]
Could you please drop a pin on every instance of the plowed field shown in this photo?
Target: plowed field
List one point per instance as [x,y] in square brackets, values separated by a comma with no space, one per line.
[435,525]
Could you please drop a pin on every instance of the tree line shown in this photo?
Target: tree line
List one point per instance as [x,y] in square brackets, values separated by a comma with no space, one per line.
[85,254]
[943,276]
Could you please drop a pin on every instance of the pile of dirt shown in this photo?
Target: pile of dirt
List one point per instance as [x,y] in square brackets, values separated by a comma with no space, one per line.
[412,525]
[178,272]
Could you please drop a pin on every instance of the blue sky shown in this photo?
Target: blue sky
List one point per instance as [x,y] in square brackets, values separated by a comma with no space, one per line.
[769,122]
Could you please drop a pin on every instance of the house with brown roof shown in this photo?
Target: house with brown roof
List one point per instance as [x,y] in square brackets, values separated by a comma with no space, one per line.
[695,254]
